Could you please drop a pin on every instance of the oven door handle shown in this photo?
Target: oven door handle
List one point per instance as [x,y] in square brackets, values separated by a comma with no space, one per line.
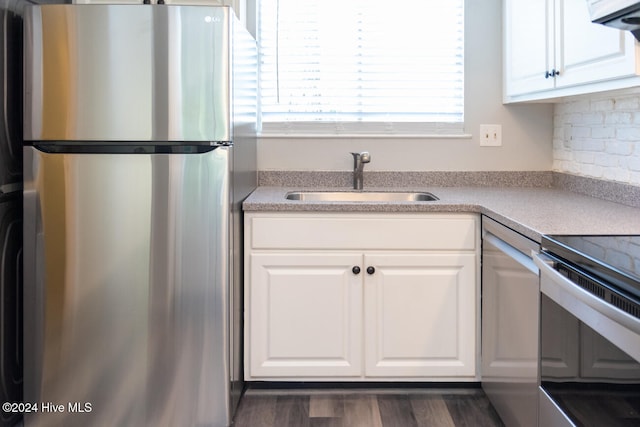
[592,310]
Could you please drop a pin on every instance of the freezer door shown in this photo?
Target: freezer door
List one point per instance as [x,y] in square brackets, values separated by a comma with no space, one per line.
[126,288]
[127,73]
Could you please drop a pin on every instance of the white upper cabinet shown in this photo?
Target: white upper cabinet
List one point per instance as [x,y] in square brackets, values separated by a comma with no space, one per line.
[552,49]
[528,46]
[591,52]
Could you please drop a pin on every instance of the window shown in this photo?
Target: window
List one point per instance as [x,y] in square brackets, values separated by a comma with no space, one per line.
[362,66]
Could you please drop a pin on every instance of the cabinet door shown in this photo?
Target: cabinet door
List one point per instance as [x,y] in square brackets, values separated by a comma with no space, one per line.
[589,52]
[305,315]
[420,315]
[528,46]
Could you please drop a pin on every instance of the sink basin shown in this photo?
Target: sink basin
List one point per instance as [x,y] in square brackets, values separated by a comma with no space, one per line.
[361,196]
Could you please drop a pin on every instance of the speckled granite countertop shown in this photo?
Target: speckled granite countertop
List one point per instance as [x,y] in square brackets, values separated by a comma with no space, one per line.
[530,211]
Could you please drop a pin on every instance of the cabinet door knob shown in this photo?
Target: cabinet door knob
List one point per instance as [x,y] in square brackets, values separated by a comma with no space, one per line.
[356,270]
[371,270]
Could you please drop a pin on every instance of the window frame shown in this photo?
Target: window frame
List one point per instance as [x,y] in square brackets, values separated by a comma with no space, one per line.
[364,129]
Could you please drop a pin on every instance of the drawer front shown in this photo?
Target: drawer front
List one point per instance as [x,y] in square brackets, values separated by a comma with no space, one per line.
[361,232]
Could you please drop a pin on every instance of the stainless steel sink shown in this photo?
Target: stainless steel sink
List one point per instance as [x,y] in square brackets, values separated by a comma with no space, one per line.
[361,196]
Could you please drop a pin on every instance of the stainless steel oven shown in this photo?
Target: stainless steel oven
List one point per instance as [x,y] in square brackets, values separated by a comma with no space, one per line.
[589,331]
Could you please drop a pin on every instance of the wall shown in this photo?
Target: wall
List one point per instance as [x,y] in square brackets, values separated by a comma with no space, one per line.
[598,136]
[527,130]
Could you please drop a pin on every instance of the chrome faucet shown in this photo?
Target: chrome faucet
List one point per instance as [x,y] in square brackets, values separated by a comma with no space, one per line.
[359,160]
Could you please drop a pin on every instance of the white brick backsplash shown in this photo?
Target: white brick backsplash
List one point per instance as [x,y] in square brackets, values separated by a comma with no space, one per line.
[627,103]
[633,163]
[624,148]
[599,137]
[616,174]
[619,118]
[602,105]
[577,106]
[628,133]
[563,155]
[584,157]
[603,132]
[592,118]
[592,170]
[608,161]
[580,131]
[597,145]
[574,117]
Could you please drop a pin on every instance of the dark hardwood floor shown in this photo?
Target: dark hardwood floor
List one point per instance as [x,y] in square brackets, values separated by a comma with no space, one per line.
[366,407]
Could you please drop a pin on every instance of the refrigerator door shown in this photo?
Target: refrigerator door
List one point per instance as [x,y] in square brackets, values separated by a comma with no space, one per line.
[126,304]
[127,73]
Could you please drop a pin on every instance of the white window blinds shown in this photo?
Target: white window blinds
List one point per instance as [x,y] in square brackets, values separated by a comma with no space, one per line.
[362,66]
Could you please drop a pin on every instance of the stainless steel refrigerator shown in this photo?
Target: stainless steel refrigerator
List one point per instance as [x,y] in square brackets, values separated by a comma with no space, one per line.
[139,133]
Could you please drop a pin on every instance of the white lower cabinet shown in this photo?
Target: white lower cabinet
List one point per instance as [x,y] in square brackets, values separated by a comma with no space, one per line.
[306,315]
[419,312]
[361,297]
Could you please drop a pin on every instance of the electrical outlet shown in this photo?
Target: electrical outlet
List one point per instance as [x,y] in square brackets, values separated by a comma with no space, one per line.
[490,135]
